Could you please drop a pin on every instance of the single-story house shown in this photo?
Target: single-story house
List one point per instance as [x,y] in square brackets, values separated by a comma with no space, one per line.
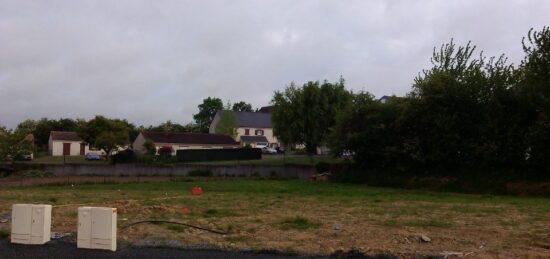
[66,143]
[252,128]
[179,141]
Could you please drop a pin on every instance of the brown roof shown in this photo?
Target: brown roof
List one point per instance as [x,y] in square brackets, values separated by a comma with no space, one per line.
[188,138]
[65,135]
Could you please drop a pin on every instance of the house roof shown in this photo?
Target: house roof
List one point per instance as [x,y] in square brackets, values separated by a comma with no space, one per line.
[251,139]
[65,135]
[188,138]
[253,119]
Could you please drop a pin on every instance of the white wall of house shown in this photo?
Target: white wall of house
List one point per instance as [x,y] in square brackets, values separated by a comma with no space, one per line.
[57,148]
[138,145]
[267,132]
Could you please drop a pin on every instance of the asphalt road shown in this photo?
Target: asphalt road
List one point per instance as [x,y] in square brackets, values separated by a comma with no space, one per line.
[62,249]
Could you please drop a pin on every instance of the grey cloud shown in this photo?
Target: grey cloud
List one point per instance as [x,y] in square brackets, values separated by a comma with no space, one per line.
[151,61]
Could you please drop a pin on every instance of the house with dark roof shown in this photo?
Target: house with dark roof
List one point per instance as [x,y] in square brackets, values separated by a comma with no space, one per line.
[179,141]
[252,128]
[66,143]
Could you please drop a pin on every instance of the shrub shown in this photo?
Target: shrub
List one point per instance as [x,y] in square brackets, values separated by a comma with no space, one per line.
[200,172]
[165,151]
[322,167]
[125,156]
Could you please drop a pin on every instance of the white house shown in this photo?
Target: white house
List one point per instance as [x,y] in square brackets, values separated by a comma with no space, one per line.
[179,141]
[66,143]
[252,128]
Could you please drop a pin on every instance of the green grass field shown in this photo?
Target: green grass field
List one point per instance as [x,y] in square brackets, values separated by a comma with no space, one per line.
[301,215]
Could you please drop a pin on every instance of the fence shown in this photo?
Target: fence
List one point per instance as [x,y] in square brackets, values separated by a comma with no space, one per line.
[202,155]
[288,171]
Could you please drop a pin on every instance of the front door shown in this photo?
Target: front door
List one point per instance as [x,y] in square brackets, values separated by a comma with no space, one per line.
[66,149]
[82,148]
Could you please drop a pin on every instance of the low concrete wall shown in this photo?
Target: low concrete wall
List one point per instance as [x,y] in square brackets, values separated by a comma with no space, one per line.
[288,171]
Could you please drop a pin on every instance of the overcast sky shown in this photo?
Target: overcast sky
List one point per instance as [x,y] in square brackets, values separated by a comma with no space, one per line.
[152,61]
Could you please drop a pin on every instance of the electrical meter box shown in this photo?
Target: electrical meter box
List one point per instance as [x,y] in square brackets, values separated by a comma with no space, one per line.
[31,223]
[97,228]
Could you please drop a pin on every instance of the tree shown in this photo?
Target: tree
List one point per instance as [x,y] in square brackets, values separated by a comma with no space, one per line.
[104,133]
[535,89]
[13,145]
[44,126]
[207,111]
[149,147]
[227,124]
[305,115]
[242,107]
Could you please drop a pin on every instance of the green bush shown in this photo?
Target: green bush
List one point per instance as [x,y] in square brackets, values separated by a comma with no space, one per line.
[322,167]
[200,172]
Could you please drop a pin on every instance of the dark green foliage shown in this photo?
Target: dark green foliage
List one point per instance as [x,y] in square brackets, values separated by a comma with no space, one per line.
[4,233]
[227,124]
[170,126]
[200,172]
[306,114]
[322,167]
[207,111]
[104,133]
[203,155]
[468,113]
[242,107]
[124,156]
[150,148]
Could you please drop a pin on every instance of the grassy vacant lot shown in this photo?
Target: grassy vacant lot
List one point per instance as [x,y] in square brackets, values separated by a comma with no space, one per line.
[304,216]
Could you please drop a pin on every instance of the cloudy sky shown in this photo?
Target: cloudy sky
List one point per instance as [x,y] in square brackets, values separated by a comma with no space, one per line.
[152,61]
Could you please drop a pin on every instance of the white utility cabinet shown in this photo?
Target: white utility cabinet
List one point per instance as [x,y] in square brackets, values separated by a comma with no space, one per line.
[31,223]
[97,228]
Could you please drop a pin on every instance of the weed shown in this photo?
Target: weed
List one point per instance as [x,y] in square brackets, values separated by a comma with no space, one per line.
[298,223]
[211,212]
[4,233]
[236,238]
[174,227]
[52,199]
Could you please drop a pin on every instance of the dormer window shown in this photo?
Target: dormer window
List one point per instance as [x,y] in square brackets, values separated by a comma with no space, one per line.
[259,133]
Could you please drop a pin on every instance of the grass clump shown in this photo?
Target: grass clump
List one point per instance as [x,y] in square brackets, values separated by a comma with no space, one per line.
[4,233]
[298,223]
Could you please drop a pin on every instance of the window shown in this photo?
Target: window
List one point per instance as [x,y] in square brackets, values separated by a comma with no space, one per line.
[247,132]
[259,133]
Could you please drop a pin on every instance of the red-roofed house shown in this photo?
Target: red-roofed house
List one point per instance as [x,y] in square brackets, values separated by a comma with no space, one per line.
[183,141]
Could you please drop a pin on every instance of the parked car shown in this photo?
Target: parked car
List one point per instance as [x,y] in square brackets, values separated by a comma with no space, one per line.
[280,150]
[261,145]
[92,156]
[25,157]
[268,150]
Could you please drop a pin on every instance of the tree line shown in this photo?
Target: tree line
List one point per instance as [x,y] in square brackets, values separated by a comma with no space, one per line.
[102,132]
[466,111]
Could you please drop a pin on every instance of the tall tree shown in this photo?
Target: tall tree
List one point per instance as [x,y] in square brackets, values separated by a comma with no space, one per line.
[104,133]
[535,84]
[305,115]
[207,111]
[227,124]
[242,107]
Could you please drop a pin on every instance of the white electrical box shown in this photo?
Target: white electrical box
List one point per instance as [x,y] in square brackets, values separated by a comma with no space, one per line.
[31,223]
[97,228]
